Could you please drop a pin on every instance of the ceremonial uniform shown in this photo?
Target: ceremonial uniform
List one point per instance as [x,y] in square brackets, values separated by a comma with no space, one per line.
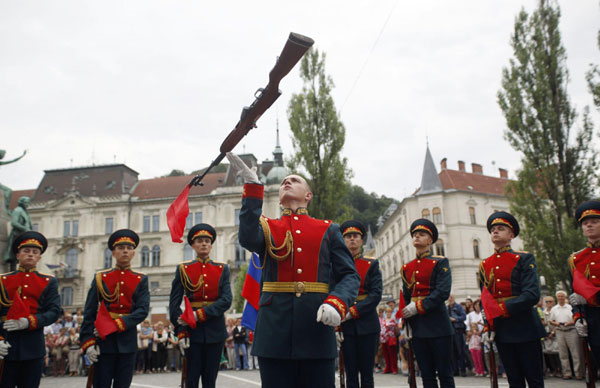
[426,281]
[39,293]
[126,296]
[511,278]
[306,264]
[361,330]
[206,284]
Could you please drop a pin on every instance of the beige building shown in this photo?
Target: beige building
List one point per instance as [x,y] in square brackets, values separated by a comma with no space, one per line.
[78,208]
[459,203]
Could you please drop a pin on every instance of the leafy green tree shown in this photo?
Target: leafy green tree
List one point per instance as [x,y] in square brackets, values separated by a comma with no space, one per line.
[593,79]
[238,300]
[558,161]
[366,207]
[318,139]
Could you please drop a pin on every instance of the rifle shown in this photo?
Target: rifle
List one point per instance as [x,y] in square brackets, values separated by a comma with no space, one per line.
[1,368]
[342,370]
[590,371]
[412,376]
[184,371]
[493,371]
[293,50]
[90,376]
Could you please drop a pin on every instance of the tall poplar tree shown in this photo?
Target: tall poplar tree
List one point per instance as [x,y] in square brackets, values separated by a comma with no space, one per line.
[318,139]
[558,161]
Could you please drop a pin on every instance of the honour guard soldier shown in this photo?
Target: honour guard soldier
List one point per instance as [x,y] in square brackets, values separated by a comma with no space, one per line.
[206,284]
[587,262]
[426,284]
[302,256]
[511,278]
[361,327]
[125,294]
[22,342]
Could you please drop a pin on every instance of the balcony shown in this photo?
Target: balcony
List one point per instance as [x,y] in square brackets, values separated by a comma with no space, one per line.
[67,273]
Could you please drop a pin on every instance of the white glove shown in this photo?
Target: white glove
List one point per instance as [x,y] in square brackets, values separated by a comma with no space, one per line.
[347,317]
[576,300]
[96,333]
[339,337]
[581,327]
[184,323]
[488,337]
[92,353]
[4,346]
[16,324]
[248,175]
[184,343]
[409,311]
[328,315]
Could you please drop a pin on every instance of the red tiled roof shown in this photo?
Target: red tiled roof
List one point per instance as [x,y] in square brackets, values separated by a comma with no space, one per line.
[466,181]
[14,198]
[170,187]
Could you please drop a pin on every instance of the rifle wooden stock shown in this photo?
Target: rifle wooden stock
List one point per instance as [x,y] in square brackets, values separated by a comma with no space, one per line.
[412,376]
[90,376]
[295,47]
[590,370]
[1,368]
[184,372]
[342,370]
[493,371]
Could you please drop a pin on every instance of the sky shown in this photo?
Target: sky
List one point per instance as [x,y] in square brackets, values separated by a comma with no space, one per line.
[158,84]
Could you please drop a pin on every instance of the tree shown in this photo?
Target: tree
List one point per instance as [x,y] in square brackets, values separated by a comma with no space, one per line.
[366,207]
[238,300]
[558,161]
[593,79]
[318,139]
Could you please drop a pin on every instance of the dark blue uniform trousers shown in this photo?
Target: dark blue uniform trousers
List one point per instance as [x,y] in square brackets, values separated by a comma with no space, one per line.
[434,354]
[523,361]
[359,357]
[203,360]
[317,373]
[115,368]
[22,374]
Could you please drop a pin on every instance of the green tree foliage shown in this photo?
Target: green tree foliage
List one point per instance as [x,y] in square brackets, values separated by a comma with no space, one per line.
[238,300]
[366,207]
[558,161]
[593,79]
[318,139]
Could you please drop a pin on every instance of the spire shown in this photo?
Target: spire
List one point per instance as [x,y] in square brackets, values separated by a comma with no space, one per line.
[278,152]
[430,181]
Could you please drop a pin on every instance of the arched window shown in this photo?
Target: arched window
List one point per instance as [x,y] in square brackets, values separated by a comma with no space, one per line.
[71,261]
[476,249]
[188,253]
[107,258]
[240,254]
[472,215]
[439,248]
[425,214]
[66,296]
[145,256]
[156,256]
[437,215]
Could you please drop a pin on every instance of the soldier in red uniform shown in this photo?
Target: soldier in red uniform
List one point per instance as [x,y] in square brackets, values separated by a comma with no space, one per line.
[511,277]
[125,294]
[206,284]
[22,339]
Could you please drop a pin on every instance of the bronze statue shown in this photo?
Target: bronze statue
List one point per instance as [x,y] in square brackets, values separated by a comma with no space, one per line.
[7,191]
[20,222]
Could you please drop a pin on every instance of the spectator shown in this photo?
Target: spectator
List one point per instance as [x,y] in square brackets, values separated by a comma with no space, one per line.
[69,323]
[561,318]
[468,306]
[159,347]
[392,304]
[253,362]
[229,344]
[56,326]
[550,346]
[239,341]
[144,347]
[457,317]
[379,359]
[173,354]
[475,349]
[389,342]
[73,343]
[475,315]
[60,349]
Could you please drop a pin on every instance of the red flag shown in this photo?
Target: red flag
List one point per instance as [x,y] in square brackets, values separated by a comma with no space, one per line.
[401,305]
[104,322]
[177,213]
[188,314]
[584,287]
[490,306]
[18,308]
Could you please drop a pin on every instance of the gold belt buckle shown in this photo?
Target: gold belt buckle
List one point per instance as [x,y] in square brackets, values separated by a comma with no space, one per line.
[299,287]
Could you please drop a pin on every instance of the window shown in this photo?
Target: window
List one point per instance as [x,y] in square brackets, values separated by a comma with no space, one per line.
[156,256]
[237,217]
[439,248]
[189,221]
[107,258]
[476,249]
[145,256]
[154,286]
[66,296]
[425,214]
[437,215]
[198,217]
[155,223]
[75,228]
[108,225]
[71,261]
[35,227]
[67,229]
[188,253]
[240,254]
[146,224]
[472,215]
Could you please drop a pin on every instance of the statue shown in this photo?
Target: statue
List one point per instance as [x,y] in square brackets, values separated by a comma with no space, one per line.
[20,223]
[7,191]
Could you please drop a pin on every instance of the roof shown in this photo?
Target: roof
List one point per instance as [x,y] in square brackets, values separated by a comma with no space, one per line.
[430,181]
[16,194]
[467,181]
[170,187]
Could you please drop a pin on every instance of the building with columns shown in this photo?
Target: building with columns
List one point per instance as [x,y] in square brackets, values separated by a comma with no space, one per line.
[459,203]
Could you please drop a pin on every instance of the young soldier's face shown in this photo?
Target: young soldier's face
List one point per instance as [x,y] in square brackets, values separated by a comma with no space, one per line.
[28,257]
[202,246]
[123,254]
[591,228]
[294,189]
[353,241]
[501,234]
[421,239]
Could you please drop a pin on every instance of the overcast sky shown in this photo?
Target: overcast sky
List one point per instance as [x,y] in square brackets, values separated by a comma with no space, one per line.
[159,84]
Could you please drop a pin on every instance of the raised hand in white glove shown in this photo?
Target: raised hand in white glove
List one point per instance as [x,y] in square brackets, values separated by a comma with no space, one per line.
[182,322]
[328,315]
[16,324]
[184,343]
[92,353]
[339,337]
[409,311]
[4,346]
[576,300]
[581,327]
[248,175]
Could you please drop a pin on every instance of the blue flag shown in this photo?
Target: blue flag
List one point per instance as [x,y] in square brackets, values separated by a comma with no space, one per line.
[251,292]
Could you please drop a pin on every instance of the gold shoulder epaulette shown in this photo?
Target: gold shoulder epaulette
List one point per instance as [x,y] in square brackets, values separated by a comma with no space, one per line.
[523,252]
[139,273]
[438,257]
[571,261]
[369,258]
[46,274]
[218,263]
